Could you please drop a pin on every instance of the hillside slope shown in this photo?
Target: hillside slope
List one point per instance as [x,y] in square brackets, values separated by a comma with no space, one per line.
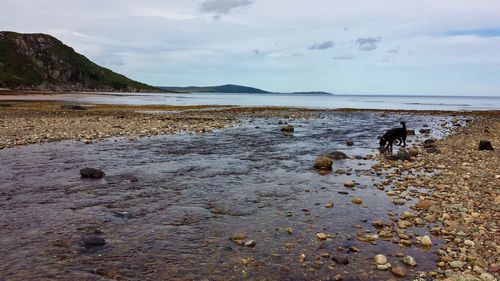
[40,61]
[229,88]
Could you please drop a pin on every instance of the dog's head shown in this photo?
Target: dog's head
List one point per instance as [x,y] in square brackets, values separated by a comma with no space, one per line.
[382,142]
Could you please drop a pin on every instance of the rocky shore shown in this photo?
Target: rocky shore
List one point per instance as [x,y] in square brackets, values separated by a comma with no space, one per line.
[461,205]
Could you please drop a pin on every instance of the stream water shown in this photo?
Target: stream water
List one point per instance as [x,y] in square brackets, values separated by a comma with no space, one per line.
[193,193]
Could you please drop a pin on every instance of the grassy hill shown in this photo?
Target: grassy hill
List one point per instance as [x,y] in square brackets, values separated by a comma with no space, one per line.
[40,61]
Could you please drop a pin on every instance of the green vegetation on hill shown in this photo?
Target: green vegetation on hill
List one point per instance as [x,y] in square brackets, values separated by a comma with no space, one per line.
[40,61]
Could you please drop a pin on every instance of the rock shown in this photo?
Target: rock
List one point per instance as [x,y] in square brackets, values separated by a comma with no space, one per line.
[485,145]
[349,143]
[357,200]
[323,163]
[287,128]
[456,264]
[386,266]
[424,204]
[250,243]
[429,143]
[73,107]
[337,155]
[378,224]
[413,152]
[340,260]
[321,236]
[403,155]
[350,184]
[409,260]
[380,259]
[426,241]
[399,271]
[469,243]
[425,131]
[461,277]
[433,150]
[410,132]
[487,277]
[91,241]
[91,173]
[329,205]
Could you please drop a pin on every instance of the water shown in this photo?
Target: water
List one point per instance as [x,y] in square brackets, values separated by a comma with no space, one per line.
[456,103]
[194,192]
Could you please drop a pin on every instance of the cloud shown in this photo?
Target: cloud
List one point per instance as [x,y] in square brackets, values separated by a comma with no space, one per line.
[322,46]
[368,44]
[394,50]
[343,57]
[222,7]
[485,32]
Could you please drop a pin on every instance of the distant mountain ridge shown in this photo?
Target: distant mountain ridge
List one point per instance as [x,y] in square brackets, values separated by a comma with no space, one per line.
[42,62]
[231,89]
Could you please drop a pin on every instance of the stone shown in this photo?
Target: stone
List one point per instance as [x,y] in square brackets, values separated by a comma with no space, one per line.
[329,205]
[337,155]
[340,260]
[321,236]
[250,243]
[409,260]
[380,259]
[413,152]
[433,150]
[485,145]
[323,163]
[424,204]
[91,241]
[425,131]
[429,143]
[91,173]
[386,266]
[378,224]
[399,271]
[487,277]
[287,128]
[357,200]
[403,155]
[349,143]
[426,241]
[456,264]
[469,243]
[410,132]
[349,183]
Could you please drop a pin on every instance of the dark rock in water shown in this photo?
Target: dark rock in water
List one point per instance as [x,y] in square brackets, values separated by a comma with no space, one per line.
[485,145]
[410,132]
[391,157]
[429,143]
[323,163]
[358,157]
[349,143]
[343,192]
[425,131]
[287,128]
[340,260]
[433,150]
[92,173]
[337,155]
[73,107]
[92,241]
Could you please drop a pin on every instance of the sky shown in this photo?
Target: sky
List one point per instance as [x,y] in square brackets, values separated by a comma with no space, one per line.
[445,47]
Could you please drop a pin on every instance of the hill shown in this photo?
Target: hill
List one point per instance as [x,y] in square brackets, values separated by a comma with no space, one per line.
[230,88]
[40,61]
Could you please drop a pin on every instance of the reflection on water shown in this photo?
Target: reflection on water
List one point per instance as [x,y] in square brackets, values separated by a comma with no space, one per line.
[289,100]
[193,193]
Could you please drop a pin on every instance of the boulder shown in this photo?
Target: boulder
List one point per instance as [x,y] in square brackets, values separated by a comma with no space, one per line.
[485,145]
[323,163]
[410,132]
[403,155]
[91,173]
[91,241]
[336,155]
[287,128]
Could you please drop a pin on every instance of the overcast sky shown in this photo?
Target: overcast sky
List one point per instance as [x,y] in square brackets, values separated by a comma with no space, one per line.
[356,46]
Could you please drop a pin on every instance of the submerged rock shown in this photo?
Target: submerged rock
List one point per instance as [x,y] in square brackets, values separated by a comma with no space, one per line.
[323,163]
[91,173]
[409,260]
[399,271]
[426,241]
[91,241]
[340,260]
[336,155]
[287,128]
[349,143]
[380,259]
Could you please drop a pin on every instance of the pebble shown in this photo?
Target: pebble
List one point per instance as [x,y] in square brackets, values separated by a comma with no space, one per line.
[409,260]
[456,264]
[357,200]
[321,236]
[426,241]
[350,184]
[380,259]
[399,271]
[91,241]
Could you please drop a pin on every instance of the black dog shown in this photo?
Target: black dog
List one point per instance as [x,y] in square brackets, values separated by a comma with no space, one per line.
[390,136]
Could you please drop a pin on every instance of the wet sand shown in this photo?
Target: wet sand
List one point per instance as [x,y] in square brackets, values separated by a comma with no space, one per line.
[183,206]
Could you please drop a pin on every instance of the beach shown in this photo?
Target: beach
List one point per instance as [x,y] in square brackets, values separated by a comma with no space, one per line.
[223,193]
